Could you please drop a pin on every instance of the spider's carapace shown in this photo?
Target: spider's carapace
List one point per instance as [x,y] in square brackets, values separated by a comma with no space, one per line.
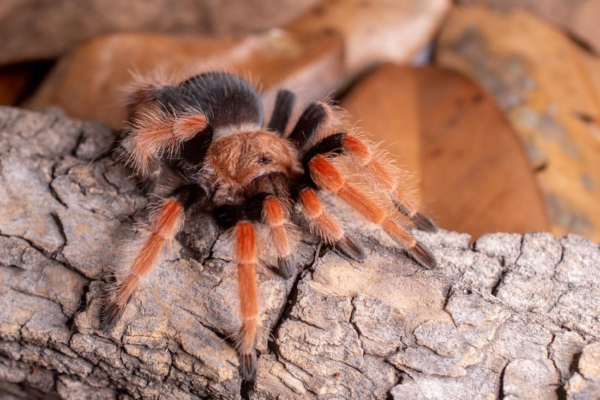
[204,143]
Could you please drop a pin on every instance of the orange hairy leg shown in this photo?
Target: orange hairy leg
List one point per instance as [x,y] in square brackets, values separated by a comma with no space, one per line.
[245,258]
[361,153]
[165,222]
[165,225]
[275,218]
[327,227]
[327,177]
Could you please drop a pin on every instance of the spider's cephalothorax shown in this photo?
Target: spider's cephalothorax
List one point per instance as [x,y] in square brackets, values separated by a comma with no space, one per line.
[203,144]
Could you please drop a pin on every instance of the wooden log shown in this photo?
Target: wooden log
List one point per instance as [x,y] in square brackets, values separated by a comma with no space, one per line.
[512,316]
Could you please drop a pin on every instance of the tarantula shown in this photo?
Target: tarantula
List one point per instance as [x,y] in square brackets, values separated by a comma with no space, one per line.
[203,143]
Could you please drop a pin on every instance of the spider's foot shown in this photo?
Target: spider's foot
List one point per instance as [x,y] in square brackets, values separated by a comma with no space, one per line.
[424,223]
[110,313]
[351,249]
[422,255]
[248,363]
[286,268]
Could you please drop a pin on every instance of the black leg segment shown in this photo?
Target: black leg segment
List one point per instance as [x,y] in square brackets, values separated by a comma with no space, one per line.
[194,150]
[331,144]
[282,111]
[190,195]
[308,123]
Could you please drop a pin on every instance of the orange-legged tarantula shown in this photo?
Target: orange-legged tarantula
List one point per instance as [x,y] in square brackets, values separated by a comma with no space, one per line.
[204,141]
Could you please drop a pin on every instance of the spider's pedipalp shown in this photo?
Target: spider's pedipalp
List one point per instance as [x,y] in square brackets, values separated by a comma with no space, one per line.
[327,227]
[326,176]
[284,103]
[424,222]
[246,260]
[165,223]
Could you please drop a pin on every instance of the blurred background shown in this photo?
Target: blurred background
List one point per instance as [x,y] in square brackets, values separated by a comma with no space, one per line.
[492,105]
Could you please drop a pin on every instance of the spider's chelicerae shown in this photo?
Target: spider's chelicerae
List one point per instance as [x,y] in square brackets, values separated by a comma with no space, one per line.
[203,142]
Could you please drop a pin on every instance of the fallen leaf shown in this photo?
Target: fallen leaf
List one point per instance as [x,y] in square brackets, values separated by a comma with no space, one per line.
[539,77]
[375,31]
[89,82]
[474,174]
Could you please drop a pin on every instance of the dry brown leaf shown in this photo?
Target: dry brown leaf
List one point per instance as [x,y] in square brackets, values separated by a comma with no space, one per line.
[375,31]
[89,82]
[540,79]
[580,17]
[474,173]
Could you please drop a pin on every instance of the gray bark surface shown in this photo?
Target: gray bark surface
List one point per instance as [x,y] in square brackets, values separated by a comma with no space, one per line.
[511,316]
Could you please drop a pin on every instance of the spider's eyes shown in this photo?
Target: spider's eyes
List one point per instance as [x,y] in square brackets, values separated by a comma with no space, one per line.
[265,161]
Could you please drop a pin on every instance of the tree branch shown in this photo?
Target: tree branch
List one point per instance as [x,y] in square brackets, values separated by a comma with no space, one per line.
[512,316]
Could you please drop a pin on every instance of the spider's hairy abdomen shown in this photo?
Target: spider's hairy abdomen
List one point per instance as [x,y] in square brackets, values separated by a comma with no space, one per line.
[226,99]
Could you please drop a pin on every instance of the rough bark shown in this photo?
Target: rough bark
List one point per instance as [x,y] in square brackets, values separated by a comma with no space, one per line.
[511,316]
